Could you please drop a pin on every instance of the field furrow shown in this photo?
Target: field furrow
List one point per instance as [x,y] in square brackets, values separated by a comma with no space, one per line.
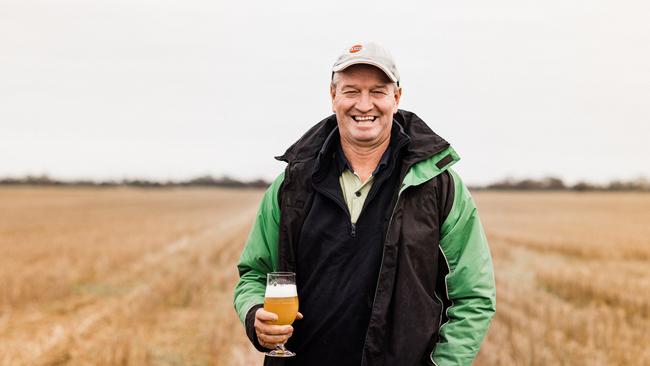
[166,306]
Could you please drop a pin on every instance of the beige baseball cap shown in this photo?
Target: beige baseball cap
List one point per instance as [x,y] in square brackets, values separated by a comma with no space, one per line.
[369,53]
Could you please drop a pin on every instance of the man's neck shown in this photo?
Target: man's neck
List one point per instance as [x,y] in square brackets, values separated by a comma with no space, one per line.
[364,159]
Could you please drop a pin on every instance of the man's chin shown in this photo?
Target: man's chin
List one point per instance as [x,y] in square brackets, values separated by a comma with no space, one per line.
[364,140]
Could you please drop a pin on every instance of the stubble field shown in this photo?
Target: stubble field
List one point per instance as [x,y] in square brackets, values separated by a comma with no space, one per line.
[145,277]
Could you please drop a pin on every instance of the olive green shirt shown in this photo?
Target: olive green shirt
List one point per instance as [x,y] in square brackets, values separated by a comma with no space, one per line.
[354,192]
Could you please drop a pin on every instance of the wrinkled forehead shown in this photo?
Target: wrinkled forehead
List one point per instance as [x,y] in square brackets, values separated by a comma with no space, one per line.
[362,73]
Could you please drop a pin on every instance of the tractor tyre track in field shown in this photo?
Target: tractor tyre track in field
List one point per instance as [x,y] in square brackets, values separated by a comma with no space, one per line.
[87,320]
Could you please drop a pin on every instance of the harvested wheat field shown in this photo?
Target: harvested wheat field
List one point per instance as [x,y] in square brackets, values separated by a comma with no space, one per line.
[123,276]
[573,278]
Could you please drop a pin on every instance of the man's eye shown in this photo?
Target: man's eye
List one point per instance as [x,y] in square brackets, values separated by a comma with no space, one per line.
[382,92]
[350,92]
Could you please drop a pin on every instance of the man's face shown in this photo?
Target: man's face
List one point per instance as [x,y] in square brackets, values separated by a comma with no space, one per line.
[364,101]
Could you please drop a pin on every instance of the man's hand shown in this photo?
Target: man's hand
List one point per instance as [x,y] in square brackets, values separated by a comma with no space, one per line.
[269,334]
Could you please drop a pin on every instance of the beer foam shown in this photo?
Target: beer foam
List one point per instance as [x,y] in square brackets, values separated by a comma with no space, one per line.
[281,291]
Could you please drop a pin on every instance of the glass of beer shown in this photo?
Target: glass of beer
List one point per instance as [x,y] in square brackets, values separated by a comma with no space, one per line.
[281,298]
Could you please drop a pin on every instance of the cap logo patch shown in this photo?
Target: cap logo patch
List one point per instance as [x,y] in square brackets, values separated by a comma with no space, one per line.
[356,48]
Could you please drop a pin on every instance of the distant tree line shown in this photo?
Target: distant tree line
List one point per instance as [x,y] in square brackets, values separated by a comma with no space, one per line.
[508,184]
[557,184]
[202,181]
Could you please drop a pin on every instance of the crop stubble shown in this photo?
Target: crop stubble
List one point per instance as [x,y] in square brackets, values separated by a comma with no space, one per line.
[121,276]
[573,278]
[145,277]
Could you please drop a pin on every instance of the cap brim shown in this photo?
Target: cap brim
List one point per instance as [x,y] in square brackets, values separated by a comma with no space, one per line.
[349,63]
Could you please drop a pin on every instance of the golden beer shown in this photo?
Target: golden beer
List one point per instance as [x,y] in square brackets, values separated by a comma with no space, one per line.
[281,298]
[285,308]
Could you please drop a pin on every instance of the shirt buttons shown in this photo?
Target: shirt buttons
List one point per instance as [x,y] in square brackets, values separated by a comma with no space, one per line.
[357,193]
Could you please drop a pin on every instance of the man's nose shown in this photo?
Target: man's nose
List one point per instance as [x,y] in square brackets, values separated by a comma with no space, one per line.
[364,103]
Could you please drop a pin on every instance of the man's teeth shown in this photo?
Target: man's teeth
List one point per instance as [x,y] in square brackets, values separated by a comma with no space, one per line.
[367,118]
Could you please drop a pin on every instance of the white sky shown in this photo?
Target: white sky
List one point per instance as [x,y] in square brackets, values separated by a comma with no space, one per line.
[172,90]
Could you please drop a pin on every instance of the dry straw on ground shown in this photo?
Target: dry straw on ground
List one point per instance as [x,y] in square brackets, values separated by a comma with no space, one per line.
[121,276]
[573,278]
[145,277]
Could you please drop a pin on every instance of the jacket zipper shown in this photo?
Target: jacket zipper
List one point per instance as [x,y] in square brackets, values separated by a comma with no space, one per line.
[442,309]
[442,305]
[353,227]
[381,265]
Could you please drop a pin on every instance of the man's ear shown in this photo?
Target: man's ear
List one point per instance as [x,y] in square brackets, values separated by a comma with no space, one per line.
[332,94]
[398,96]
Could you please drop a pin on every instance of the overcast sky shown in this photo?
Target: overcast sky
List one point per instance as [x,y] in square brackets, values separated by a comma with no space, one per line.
[172,90]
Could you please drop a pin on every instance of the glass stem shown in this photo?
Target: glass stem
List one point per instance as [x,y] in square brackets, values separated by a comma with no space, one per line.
[280,348]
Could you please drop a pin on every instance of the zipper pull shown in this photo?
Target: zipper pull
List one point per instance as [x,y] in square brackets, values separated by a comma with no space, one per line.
[354,231]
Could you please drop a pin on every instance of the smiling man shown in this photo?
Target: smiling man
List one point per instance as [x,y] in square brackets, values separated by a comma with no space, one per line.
[392,264]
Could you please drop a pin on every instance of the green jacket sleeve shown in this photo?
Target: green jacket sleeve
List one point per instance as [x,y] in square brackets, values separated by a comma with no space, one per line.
[470,282]
[260,254]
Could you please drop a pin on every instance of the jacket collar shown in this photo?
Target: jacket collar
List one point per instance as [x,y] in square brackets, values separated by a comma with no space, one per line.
[423,144]
[332,153]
